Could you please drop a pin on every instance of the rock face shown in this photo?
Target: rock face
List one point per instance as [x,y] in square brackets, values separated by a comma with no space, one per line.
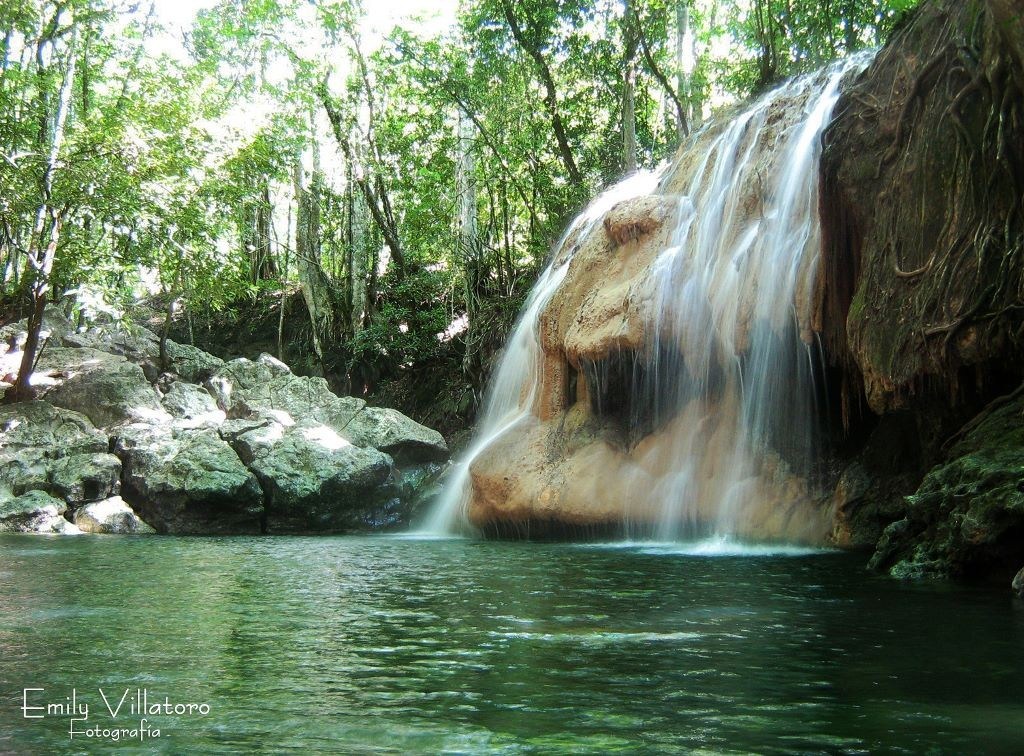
[188,481]
[922,268]
[293,457]
[314,479]
[967,516]
[34,512]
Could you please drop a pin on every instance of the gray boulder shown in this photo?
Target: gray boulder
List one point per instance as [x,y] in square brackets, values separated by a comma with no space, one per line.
[404,439]
[85,477]
[188,401]
[134,343]
[289,399]
[314,479]
[34,512]
[63,361]
[14,335]
[34,434]
[236,375]
[48,431]
[110,516]
[112,394]
[191,363]
[187,481]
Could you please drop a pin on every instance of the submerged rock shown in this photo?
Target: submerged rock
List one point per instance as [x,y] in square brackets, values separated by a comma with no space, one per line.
[110,516]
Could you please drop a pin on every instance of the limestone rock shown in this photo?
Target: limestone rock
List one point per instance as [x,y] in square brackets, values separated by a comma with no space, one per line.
[47,430]
[187,481]
[314,479]
[638,217]
[191,363]
[967,515]
[234,376]
[1018,583]
[276,367]
[85,477]
[112,394]
[110,516]
[191,402]
[135,343]
[389,430]
[14,335]
[34,512]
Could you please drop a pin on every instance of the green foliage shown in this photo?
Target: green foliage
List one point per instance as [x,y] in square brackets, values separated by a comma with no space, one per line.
[191,170]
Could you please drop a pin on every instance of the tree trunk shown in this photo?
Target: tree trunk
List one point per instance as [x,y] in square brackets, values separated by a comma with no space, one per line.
[358,237]
[550,96]
[316,288]
[682,75]
[628,91]
[469,244]
[45,237]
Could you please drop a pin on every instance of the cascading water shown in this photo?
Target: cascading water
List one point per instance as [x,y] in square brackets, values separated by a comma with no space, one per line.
[513,390]
[664,376]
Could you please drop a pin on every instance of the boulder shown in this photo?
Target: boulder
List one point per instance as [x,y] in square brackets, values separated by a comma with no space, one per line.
[134,343]
[187,481]
[112,394]
[187,401]
[32,435]
[289,399]
[404,439]
[191,363]
[85,477]
[314,479]
[14,335]
[110,516]
[966,517]
[34,512]
[48,431]
[1017,584]
[63,362]
[235,375]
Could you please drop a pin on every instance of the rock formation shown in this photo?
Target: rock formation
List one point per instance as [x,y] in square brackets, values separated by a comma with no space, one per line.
[909,301]
[117,444]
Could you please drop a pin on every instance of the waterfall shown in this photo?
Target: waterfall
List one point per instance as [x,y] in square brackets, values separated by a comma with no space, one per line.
[702,419]
[513,389]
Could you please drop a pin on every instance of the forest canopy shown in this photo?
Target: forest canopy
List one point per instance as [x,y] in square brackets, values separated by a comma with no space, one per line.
[395,189]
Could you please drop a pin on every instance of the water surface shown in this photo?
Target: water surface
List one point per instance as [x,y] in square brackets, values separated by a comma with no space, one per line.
[402,645]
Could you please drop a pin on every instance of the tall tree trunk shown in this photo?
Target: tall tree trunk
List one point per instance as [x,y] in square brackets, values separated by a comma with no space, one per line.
[469,245]
[316,288]
[358,238]
[550,92]
[49,220]
[684,118]
[628,91]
